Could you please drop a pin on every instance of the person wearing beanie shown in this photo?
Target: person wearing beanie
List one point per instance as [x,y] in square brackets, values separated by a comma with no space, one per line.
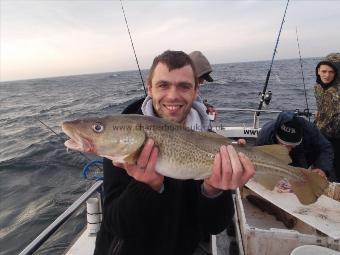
[327,95]
[306,145]
[203,70]
[289,133]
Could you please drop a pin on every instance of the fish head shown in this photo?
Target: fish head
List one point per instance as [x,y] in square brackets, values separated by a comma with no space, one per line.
[104,137]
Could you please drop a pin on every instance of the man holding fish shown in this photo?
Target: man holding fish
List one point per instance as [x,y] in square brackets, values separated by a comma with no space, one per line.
[166,186]
[147,213]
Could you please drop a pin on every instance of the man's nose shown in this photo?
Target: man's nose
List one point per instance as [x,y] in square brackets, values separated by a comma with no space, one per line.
[172,92]
[329,74]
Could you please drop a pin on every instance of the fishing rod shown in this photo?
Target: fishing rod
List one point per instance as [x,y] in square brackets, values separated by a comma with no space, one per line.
[303,77]
[59,136]
[133,47]
[263,95]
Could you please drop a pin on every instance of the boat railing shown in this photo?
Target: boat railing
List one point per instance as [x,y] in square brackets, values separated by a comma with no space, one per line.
[226,109]
[306,113]
[55,225]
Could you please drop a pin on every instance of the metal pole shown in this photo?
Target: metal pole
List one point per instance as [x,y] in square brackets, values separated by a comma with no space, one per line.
[38,241]
[257,114]
[246,110]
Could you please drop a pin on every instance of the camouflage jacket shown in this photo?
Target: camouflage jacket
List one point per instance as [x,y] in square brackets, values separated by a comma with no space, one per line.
[328,106]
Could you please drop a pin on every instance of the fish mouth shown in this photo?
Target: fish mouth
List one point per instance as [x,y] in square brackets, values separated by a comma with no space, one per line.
[78,142]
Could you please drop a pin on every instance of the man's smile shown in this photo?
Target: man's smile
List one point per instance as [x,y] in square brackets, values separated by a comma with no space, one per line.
[172,108]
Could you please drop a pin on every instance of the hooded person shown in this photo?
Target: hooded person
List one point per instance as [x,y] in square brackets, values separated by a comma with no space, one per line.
[203,70]
[306,145]
[327,95]
[326,74]
[202,66]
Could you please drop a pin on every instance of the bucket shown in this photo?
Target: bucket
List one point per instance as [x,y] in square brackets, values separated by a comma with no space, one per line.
[313,250]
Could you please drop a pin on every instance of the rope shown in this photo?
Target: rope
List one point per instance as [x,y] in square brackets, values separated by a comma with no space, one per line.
[87,169]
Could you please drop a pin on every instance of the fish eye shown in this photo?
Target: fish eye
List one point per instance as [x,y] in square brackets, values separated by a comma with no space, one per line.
[98,127]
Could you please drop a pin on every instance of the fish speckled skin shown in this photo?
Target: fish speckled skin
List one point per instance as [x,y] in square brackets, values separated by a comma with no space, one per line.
[184,153]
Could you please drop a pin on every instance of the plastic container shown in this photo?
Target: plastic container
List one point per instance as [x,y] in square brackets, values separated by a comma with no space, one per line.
[259,233]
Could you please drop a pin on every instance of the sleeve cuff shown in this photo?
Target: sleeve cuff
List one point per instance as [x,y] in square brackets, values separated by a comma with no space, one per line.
[209,196]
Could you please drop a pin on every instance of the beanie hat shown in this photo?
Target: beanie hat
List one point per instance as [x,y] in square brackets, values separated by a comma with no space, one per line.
[290,133]
[202,65]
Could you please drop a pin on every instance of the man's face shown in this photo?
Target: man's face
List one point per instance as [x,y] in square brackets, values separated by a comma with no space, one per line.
[172,92]
[326,73]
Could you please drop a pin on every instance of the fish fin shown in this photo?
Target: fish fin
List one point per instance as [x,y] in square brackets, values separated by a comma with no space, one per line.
[132,158]
[311,189]
[267,181]
[139,138]
[277,151]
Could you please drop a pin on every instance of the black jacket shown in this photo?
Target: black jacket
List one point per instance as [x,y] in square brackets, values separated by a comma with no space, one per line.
[142,221]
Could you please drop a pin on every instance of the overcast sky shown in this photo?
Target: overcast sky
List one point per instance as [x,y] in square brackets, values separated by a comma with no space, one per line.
[55,38]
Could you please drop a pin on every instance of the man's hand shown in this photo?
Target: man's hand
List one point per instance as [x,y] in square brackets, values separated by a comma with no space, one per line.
[230,170]
[144,169]
[241,141]
[320,172]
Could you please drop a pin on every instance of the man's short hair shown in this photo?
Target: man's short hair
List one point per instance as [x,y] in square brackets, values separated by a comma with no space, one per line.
[173,60]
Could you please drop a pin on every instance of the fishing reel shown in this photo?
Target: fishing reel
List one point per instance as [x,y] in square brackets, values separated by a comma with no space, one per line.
[305,113]
[265,98]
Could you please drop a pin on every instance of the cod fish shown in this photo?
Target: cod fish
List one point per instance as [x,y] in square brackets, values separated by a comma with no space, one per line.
[184,153]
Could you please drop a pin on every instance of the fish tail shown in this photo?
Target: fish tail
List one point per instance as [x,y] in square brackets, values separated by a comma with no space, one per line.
[333,191]
[311,189]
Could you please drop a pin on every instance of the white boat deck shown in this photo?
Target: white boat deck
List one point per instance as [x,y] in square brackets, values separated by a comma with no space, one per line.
[84,245]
